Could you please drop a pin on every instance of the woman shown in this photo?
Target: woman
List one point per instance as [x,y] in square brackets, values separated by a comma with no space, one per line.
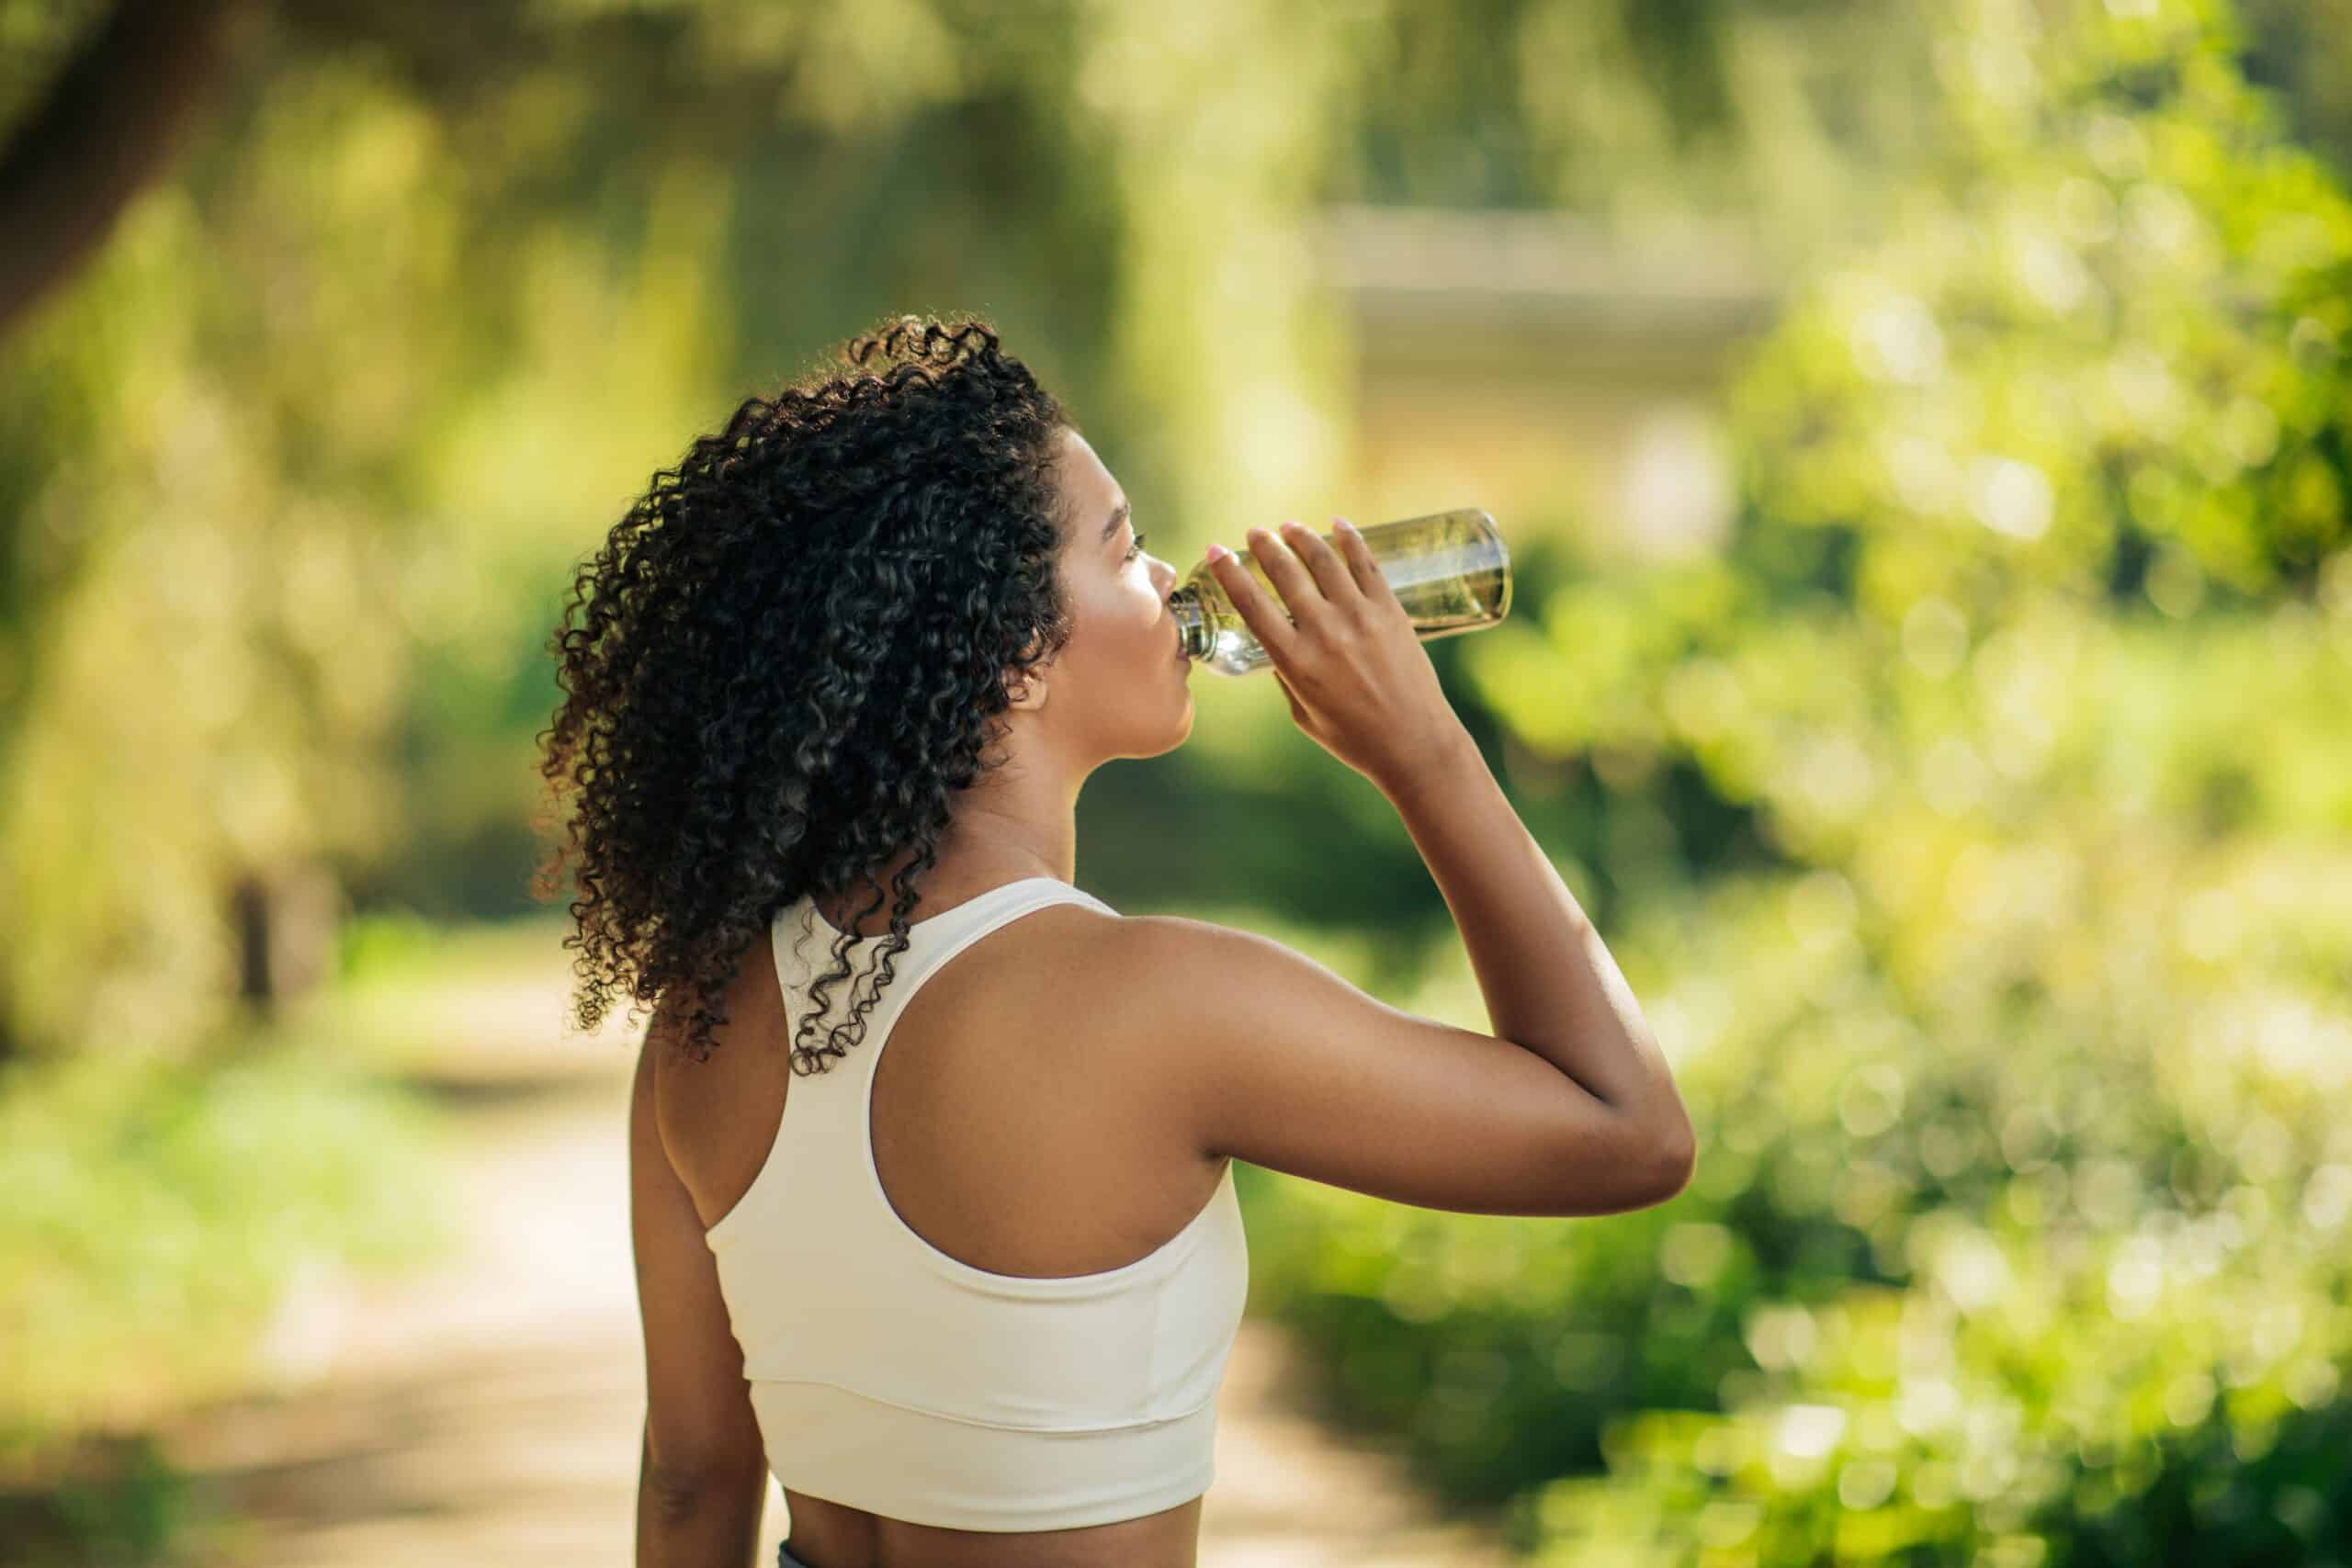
[972,1308]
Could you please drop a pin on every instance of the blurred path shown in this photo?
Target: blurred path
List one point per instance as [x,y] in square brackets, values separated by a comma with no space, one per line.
[491,1411]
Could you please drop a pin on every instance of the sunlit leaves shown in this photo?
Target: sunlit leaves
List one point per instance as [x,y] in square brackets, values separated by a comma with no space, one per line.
[2023,1179]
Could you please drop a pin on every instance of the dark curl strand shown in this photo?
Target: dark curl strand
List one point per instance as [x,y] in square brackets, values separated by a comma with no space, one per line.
[788,658]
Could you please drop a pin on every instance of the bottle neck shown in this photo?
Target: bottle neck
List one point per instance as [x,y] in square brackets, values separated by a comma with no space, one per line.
[1191,621]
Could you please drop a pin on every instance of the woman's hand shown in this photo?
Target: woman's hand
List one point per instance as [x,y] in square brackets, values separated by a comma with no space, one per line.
[1359,681]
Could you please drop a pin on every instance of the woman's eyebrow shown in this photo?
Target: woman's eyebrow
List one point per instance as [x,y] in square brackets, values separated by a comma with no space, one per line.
[1112,526]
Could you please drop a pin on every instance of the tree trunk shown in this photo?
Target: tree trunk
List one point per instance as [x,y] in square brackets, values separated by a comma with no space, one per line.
[287,919]
[111,123]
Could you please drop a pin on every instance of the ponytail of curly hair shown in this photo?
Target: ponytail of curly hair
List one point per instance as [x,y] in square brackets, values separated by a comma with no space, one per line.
[786,661]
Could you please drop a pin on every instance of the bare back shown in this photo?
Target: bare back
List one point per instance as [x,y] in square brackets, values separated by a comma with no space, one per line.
[1010,1131]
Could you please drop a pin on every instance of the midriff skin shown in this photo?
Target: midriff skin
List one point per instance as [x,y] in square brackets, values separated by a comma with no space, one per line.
[827,1535]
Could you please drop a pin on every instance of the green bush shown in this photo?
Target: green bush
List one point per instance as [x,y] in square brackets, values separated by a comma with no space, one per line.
[2019,1227]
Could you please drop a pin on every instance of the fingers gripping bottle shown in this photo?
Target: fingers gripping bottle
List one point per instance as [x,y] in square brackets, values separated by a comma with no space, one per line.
[1450,570]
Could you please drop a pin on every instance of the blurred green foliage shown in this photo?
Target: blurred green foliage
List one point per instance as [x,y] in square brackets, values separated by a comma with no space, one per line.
[1973,827]
[292,473]
[2019,1228]
[159,1211]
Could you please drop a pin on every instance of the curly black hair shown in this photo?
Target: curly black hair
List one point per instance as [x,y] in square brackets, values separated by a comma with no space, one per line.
[786,661]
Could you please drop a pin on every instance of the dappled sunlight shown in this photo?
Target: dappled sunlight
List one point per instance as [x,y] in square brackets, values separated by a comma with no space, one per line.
[1921,437]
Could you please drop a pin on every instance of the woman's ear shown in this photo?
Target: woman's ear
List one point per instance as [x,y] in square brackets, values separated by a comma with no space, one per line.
[1027,692]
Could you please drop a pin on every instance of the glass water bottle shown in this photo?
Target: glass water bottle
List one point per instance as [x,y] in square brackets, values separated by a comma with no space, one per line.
[1449,569]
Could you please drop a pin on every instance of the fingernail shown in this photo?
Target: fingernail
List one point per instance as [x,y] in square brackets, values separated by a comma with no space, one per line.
[1218,552]
[1343,523]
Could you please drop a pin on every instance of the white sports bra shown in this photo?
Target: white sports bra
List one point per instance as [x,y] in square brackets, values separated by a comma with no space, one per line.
[890,1376]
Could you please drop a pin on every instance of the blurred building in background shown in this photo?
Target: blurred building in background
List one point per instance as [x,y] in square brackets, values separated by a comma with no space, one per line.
[1532,361]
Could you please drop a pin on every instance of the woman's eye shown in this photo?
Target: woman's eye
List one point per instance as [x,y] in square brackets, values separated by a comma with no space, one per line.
[1137,549]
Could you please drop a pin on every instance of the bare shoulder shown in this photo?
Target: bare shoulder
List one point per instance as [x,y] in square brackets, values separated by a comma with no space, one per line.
[1130,968]
[1118,986]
